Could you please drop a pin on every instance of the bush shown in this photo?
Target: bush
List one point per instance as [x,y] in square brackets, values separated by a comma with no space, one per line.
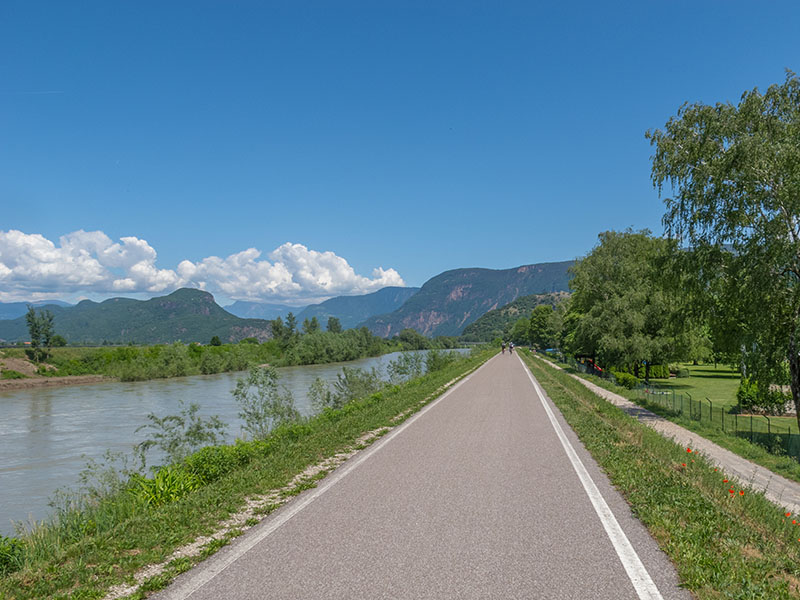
[437,359]
[625,380]
[754,397]
[11,550]
[682,372]
[212,462]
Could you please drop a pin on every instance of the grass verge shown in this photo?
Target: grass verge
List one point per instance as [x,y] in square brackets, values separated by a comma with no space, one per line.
[84,557]
[724,544]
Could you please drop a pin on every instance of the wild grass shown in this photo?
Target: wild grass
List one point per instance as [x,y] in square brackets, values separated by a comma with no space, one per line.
[102,541]
[724,544]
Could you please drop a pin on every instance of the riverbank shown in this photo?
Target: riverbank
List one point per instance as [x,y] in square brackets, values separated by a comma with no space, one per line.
[46,382]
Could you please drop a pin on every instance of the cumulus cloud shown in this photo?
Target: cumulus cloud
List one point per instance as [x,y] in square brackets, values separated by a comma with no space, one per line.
[85,262]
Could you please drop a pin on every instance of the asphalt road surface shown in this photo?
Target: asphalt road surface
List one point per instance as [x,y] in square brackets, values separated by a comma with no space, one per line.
[476,496]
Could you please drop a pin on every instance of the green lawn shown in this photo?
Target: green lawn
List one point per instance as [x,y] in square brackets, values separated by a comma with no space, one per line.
[718,384]
[706,381]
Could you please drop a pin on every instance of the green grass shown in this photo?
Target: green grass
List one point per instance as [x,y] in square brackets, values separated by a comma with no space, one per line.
[706,381]
[86,553]
[723,545]
[12,374]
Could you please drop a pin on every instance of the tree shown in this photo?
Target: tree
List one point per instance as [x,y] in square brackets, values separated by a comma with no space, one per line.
[291,325]
[334,325]
[734,172]
[540,330]
[40,329]
[311,325]
[215,341]
[622,315]
[519,331]
[413,340]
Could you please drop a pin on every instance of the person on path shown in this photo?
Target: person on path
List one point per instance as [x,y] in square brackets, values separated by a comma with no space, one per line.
[503,347]
[511,347]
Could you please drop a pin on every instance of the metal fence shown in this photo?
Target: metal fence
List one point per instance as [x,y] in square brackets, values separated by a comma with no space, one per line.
[770,432]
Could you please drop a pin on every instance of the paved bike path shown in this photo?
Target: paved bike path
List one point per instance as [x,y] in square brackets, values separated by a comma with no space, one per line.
[474,497]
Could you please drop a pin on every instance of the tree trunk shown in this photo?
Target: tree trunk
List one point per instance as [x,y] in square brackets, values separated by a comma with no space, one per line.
[636,370]
[647,372]
[794,373]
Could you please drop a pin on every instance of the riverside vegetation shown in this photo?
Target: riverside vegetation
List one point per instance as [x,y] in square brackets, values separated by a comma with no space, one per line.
[292,345]
[122,517]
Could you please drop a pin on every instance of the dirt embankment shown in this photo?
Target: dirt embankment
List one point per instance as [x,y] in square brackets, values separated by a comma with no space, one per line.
[34,380]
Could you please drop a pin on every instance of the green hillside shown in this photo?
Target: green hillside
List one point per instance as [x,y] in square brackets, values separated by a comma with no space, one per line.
[186,315]
[449,302]
[498,323]
[353,310]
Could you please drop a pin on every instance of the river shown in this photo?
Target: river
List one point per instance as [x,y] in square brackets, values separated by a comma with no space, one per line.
[47,435]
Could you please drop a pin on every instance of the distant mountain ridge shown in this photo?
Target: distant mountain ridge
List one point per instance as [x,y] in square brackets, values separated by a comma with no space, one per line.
[261,310]
[186,315]
[352,310]
[498,322]
[449,302]
[12,310]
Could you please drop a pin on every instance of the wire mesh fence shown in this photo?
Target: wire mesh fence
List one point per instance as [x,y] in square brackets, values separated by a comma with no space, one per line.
[778,435]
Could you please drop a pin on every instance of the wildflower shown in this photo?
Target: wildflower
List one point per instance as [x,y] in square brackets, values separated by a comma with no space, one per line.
[794,522]
[741,492]
[789,515]
[689,450]
[724,481]
[683,464]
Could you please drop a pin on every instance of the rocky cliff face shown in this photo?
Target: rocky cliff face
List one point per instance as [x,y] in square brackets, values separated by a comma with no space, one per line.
[452,300]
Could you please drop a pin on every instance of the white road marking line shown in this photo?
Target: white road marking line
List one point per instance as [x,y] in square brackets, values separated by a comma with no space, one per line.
[205,573]
[636,571]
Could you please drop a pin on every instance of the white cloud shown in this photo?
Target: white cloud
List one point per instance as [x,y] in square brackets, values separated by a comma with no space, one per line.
[33,267]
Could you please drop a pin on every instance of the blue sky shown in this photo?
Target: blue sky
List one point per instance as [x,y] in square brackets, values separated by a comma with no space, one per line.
[339,137]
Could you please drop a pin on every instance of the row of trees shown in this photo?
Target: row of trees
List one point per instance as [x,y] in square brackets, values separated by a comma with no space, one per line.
[724,283]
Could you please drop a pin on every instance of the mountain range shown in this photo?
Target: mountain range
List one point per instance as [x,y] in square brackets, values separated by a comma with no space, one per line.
[445,305]
[185,315]
[353,310]
[12,310]
[449,302]
[261,310]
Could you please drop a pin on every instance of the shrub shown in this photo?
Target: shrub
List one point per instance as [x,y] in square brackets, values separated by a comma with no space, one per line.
[179,435]
[212,462]
[11,550]
[262,403]
[437,359]
[753,397]
[625,380]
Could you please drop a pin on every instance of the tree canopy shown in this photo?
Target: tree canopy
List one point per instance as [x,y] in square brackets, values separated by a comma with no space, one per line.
[734,176]
[621,314]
